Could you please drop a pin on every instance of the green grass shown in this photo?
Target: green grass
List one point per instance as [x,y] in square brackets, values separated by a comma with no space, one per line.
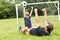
[9,30]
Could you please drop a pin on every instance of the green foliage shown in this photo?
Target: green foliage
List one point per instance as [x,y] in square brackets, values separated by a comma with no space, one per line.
[7,10]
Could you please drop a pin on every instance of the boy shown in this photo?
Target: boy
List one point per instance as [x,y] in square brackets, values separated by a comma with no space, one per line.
[27,20]
[27,17]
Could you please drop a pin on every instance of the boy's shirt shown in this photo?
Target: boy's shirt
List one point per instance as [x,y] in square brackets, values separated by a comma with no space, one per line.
[27,22]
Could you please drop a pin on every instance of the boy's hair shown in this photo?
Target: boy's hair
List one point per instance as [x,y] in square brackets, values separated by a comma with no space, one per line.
[49,27]
[27,13]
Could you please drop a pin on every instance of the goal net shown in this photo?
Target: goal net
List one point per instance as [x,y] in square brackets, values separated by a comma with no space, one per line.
[51,7]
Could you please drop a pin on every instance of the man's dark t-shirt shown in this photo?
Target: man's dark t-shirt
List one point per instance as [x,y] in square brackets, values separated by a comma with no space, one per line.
[38,31]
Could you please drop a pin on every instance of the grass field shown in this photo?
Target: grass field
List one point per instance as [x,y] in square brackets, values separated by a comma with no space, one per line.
[9,30]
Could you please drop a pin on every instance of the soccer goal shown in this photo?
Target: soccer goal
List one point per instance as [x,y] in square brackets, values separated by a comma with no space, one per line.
[54,8]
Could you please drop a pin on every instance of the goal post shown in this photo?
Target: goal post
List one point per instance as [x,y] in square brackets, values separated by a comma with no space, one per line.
[17,12]
[58,11]
[38,3]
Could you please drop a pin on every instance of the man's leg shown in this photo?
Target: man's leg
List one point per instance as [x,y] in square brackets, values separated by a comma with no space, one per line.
[45,16]
[37,18]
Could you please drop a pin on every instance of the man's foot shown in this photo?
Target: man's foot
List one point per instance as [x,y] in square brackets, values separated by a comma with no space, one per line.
[44,10]
[20,28]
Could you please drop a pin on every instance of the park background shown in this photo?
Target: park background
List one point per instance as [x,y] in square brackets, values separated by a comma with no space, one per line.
[9,27]
[7,8]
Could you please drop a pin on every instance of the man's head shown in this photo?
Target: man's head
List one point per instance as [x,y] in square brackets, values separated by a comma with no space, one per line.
[49,27]
[27,14]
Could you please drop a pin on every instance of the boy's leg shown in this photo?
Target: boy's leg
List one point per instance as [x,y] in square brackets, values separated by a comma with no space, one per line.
[45,16]
[37,18]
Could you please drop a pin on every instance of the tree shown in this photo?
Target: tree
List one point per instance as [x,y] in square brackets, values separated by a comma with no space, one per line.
[7,10]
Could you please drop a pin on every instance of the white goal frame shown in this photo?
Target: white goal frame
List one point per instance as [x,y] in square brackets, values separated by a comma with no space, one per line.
[35,4]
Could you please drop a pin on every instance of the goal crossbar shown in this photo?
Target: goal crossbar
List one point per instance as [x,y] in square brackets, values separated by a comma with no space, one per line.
[39,3]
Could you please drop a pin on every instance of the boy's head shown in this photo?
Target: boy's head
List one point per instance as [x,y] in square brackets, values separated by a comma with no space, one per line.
[26,13]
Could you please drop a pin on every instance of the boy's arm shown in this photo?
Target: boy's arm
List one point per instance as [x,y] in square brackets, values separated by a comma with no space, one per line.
[31,11]
[24,11]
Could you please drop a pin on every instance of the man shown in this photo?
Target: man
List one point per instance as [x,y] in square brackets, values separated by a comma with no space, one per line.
[46,30]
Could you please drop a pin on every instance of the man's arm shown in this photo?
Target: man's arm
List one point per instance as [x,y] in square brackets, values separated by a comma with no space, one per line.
[31,11]
[45,16]
[24,11]
[37,18]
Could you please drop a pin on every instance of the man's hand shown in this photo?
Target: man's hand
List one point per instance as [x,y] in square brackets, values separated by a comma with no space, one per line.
[32,7]
[35,10]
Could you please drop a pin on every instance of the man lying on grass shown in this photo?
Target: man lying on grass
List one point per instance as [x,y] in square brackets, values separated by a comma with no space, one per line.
[37,30]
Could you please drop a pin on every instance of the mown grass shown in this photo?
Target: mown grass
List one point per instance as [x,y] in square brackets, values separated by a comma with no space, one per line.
[9,30]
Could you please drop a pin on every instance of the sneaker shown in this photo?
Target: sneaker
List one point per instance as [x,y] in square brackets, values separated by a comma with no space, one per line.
[20,28]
